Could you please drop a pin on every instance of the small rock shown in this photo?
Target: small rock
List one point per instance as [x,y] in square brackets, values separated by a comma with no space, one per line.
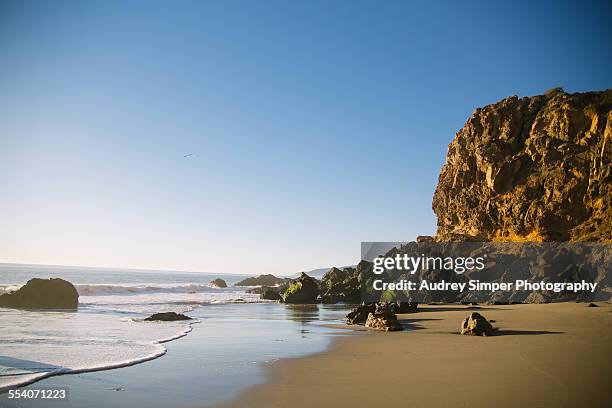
[218,283]
[167,317]
[476,325]
[592,305]
[383,320]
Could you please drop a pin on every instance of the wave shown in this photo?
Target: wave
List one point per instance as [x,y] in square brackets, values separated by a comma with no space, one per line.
[26,378]
[102,289]
[139,289]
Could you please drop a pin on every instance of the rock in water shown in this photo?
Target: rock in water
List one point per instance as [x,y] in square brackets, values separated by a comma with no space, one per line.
[476,325]
[269,294]
[167,317]
[262,280]
[302,290]
[42,294]
[218,283]
[530,169]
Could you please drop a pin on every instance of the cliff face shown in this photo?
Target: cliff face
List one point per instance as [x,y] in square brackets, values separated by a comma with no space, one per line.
[530,169]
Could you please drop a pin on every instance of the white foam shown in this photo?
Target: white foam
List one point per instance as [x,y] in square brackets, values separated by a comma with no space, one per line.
[36,345]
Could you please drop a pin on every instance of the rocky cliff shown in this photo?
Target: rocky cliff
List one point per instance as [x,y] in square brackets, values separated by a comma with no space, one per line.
[530,169]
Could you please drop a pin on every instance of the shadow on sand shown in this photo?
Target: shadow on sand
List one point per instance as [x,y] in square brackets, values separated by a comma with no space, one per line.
[524,332]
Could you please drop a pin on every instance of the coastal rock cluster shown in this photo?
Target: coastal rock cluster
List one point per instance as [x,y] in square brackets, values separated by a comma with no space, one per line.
[341,285]
[530,169]
[42,294]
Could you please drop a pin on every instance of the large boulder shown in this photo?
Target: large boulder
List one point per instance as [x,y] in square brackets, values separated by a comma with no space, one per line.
[476,325]
[341,285]
[38,293]
[302,290]
[218,283]
[530,169]
[167,317]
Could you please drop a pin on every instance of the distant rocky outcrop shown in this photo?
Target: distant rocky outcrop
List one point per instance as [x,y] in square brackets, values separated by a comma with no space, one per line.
[341,285]
[303,290]
[218,283]
[42,294]
[263,280]
[167,317]
[530,169]
[476,325]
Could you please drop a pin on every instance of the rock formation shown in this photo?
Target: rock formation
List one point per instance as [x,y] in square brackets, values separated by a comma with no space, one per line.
[476,325]
[167,317]
[218,283]
[302,290]
[383,319]
[360,314]
[340,285]
[42,294]
[263,280]
[530,169]
[269,294]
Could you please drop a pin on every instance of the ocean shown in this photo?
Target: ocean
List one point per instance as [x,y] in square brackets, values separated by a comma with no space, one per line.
[226,347]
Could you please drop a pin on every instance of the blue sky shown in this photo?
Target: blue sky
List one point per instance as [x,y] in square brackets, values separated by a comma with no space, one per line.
[316,125]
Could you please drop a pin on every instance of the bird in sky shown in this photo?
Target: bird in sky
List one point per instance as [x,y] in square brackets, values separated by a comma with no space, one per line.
[190,155]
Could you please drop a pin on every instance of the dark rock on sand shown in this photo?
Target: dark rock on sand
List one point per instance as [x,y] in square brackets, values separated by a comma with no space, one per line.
[530,169]
[42,294]
[359,314]
[218,283]
[167,317]
[303,290]
[476,325]
[592,305]
[403,307]
[341,285]
[383,319]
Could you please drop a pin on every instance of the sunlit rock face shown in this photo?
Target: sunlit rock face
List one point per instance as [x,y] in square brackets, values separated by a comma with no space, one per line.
[530,169]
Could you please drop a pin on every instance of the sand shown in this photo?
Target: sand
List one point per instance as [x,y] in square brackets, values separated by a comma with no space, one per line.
[549,355]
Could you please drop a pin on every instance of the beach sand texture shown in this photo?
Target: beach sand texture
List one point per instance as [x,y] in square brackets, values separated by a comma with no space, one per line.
[544,355]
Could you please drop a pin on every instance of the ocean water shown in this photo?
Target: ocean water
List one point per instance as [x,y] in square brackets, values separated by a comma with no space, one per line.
[225,348]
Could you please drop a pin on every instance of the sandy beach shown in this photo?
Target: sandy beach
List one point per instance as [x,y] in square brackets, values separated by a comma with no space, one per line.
[544,355]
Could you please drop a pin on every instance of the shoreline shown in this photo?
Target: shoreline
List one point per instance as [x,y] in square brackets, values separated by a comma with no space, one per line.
[544,355]
[113,366]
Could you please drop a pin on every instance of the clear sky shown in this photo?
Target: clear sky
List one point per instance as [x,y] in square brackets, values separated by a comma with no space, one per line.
[315,125]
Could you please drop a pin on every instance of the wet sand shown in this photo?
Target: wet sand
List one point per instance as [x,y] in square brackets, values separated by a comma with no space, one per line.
[549,355]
